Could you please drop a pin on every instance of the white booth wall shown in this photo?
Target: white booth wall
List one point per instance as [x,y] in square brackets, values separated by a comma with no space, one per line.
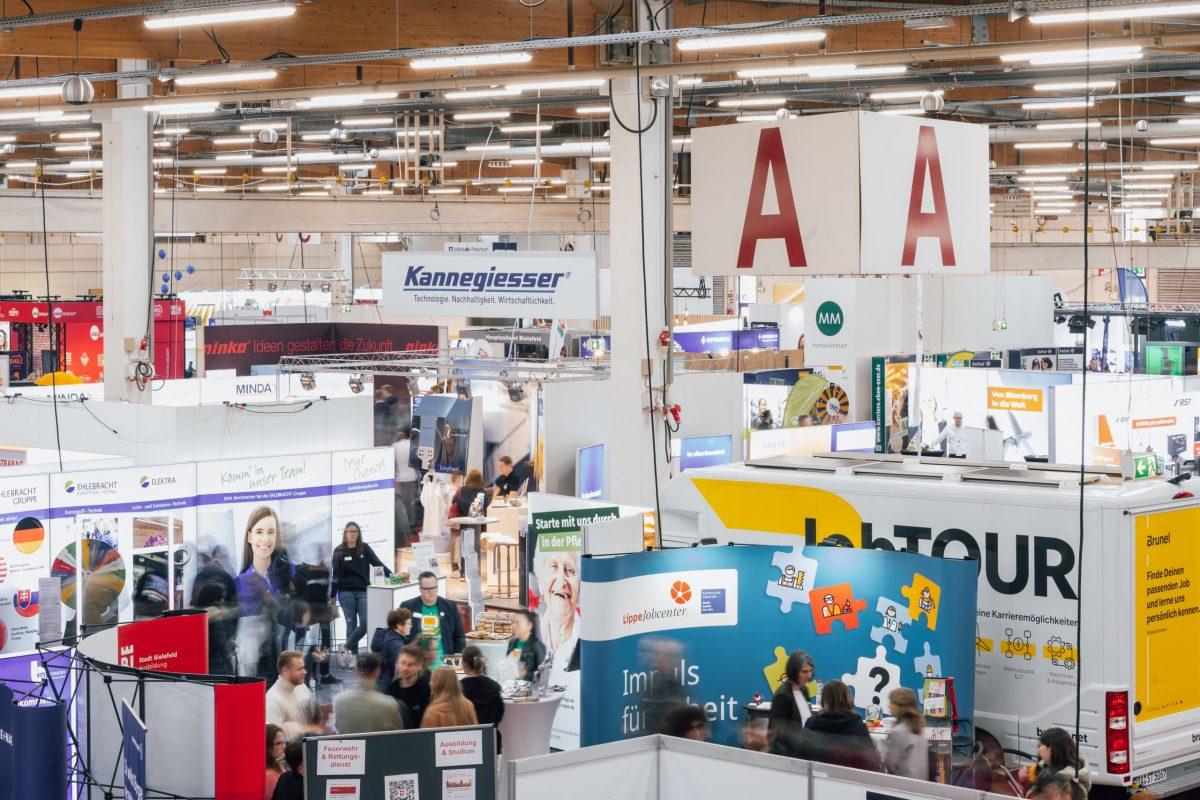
[577,414]
[171,434]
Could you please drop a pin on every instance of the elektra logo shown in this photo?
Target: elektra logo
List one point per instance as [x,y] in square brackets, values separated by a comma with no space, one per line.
[418,278]
[146,481]
[829,318]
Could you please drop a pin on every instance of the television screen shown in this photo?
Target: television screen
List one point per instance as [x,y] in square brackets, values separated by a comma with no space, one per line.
[704,451]
[589,473]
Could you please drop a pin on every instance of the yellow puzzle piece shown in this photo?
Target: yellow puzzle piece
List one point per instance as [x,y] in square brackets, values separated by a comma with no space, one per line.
[776,672]
[924,597]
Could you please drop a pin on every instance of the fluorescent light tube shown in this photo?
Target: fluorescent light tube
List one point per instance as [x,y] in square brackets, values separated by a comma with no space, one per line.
[341,100]
[1043,145]
[445,190]
[188,19]
[1118,12]
[273,125]
[1067,126]
[73,148]
[753,102]
[1049,104]
[906,94]
[367,122]
[480,116]
[1044,170]
[210,189]
[473,60]
[1069,86]
[74,136]
[209,171]
[234,140]
[553,85]
[40,90]
[1177,140]
[912,110]
[478,148]
[181,108]
[735,40]
[213,78]
[604,109]
[482,94]
[531,128]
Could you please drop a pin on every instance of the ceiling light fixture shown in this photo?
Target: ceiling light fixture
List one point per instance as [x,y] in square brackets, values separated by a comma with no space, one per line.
[600,159]
[554,85]
[1150,186]
[482,94]
[209,171]
[213,78]
[276,170]
[753,102]
[1152,165]
[20,165]
[473,60]
[355,167]
[173,131]
[315,137]
[759,117]
[1041,197]
[1067,126]
[54,117]
[524,162]
[1058,187]
[445,190]
[367,122]
[1040,178]
[41,90]
[342,100]
[246,157]
[1069,86]
[604,109]
[73,136]
[478,148]
[1044,170]
[531,128]
[1044,105]
[73,148]
[1150,176]
[1176,140]
[515,189]
[181,108]
[906,94]
[273,125]
[378,192]
[481,116]
[735,40]
[1118,12]
[210,189]
[1043,145]
[914,110]
[225,140]
[188,19]
[1077,56]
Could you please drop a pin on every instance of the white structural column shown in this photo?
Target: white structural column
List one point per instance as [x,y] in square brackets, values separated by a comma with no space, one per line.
[637,246]
[127,247]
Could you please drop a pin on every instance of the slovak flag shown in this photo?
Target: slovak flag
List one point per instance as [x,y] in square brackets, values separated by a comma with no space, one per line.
[25,601]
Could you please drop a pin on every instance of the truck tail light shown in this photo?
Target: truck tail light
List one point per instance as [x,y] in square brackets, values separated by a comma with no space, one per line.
[1116,732]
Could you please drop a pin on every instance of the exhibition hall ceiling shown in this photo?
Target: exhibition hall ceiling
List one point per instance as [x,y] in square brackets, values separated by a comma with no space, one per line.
[509,97]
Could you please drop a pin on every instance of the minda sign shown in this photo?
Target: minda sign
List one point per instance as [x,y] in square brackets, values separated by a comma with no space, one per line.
[498,284]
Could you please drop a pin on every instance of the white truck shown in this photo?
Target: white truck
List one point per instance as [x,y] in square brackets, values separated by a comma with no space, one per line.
[1133,645]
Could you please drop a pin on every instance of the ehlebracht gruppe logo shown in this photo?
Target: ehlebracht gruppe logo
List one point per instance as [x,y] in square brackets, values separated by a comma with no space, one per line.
[829,318]
[70,486]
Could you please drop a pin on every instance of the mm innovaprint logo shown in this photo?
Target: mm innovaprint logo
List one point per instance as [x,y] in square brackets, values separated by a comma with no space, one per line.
[830,318]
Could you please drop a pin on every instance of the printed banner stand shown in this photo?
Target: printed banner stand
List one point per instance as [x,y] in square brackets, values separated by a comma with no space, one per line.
[133,752]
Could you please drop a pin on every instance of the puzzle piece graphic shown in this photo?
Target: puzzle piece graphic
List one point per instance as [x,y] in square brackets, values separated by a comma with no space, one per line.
[895,619]
[797,575]
[836,602]
[875,679]
[924,597]
[928,665]
[776,672]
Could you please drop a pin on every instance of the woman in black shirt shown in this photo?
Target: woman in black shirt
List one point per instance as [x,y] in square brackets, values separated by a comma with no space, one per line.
[482,691]
[352,562]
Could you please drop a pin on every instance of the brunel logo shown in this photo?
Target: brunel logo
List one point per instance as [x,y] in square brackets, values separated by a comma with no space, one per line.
[830,318]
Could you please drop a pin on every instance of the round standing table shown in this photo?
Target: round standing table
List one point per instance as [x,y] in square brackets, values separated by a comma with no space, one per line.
[526,726]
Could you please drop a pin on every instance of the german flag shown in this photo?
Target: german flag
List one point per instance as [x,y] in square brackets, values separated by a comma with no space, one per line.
[29,535]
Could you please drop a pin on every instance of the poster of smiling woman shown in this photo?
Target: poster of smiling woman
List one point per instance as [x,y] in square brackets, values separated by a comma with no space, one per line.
[258,521]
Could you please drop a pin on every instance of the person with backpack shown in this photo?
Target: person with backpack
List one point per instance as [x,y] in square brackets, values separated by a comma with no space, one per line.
[389,641]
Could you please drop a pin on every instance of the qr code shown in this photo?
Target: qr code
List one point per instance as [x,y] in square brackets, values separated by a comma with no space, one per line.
[401,787]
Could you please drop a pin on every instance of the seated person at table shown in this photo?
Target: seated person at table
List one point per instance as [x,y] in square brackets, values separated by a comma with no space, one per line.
[907,750]
[411,686]
[529,650]
[838,735]
[290,785]
[447,706]
[363,708]
[439,617]
[389,641]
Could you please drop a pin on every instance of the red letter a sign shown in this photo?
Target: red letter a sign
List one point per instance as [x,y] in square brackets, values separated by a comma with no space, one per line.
[937,223]
[783,225]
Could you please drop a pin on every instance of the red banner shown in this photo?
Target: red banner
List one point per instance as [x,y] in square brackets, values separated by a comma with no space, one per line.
[178,643]
[84,351]
[239,748]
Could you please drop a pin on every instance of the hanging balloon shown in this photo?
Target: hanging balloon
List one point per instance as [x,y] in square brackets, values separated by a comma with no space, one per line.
[165,277]
[164,289]
[191,269]
[178,275]
[162,253]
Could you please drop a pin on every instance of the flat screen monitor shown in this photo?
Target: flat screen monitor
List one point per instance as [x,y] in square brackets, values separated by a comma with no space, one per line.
[589,473]
[854,437]
[704,451]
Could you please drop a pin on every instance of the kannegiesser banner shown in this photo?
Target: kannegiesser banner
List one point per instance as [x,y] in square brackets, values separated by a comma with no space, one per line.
[498,284]
[847,193]
[240,347]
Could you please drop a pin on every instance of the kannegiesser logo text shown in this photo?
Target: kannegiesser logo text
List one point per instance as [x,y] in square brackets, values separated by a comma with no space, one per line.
[493,280]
